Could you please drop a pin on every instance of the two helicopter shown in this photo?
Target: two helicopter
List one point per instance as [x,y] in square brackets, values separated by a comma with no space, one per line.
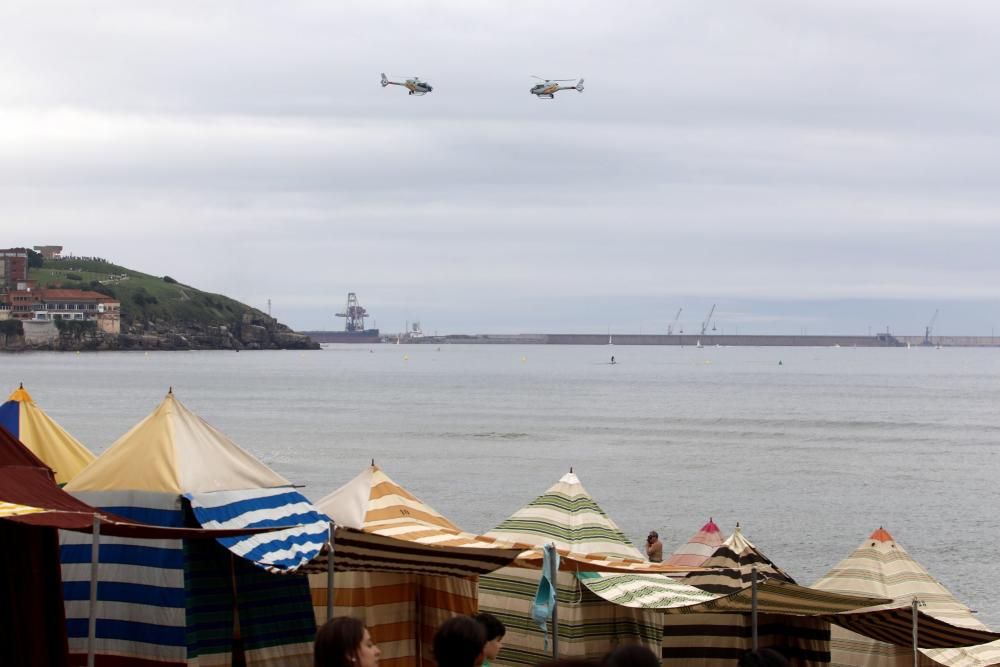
[546,89]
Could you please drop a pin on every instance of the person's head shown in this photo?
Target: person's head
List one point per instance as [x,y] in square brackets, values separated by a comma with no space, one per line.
[652,537]
[345,642]
[459,642]
[632,655]
[765,657]
[495,632]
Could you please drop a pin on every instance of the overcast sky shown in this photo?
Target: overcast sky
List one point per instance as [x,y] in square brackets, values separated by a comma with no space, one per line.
[810,166]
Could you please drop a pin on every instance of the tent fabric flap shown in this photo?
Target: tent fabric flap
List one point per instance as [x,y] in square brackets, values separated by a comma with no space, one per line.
[895,626]
[281,551]
[778,597]
[360,551]
[649,591]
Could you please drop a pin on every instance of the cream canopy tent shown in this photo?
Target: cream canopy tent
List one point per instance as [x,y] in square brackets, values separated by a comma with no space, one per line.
[42,435]
[881,566]
[412,567]
[699,548]
[174,469]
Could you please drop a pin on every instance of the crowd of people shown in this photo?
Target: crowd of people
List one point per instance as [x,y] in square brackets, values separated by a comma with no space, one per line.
[475,641]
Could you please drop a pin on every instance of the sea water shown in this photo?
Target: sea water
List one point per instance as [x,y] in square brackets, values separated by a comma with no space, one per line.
[809,449]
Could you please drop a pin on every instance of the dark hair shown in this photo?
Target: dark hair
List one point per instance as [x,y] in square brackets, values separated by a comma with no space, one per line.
[458,642]
[337,642]
[633,655]
[765,657]
[494,626]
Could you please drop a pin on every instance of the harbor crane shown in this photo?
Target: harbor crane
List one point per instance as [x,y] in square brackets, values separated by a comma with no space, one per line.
[670,327]
[930,327]
[708,320]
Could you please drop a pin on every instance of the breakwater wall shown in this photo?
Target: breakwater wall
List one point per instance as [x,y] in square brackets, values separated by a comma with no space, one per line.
[682,340]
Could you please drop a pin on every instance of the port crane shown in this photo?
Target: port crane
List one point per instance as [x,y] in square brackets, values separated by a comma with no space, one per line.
[930,327]
[354,313]
[708,320]
[670,327]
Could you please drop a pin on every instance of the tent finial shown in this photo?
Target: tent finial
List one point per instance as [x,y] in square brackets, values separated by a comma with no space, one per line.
[170,390]
[571,468]
[373,461]
[20,385]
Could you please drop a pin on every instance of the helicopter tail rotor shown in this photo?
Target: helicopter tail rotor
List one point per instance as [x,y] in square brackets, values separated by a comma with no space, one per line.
[385,80]
[579,86]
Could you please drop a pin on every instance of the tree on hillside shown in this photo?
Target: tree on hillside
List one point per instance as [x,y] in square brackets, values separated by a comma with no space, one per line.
[35,259]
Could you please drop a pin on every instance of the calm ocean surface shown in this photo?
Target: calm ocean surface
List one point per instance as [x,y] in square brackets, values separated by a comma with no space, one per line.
[810,456]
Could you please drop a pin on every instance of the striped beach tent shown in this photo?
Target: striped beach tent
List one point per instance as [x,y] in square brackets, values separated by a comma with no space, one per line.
[27,422]
[720,631]
[699,548]
[567,516]
[408,568]
[731,566]
[881,566]
[179,602]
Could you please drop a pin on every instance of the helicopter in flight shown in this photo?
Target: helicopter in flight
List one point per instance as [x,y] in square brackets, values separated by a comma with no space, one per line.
[414,85]
[548,88]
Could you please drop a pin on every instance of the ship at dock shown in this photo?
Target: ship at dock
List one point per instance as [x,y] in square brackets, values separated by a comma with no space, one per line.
[354,326]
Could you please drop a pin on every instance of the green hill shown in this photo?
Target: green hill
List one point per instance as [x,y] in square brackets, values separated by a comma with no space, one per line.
[143,297]
[175,314]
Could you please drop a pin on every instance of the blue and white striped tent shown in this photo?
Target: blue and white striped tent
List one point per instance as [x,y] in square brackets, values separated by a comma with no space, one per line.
[173,602]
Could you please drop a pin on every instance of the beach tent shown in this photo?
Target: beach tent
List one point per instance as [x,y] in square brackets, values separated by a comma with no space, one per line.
[32,508]
[409,568]
[567,516]
[881,566]
[719,629]
[173,602]
[731,566]
[721,638]
[41,434]
[699,548]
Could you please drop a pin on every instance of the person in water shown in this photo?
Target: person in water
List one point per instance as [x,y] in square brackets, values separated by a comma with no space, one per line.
[654,547]
[612,358]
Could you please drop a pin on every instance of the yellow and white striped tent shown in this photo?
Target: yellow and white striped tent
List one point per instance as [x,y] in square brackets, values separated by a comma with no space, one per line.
[408,567]
[881,567]
[49,441]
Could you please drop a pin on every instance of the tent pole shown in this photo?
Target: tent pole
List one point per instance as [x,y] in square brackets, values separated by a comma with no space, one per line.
[916,634]
[554,573]
[329,573]
[753,608]
[95,557]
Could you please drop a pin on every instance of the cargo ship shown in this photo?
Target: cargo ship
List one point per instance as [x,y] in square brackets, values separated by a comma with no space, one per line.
[354,326]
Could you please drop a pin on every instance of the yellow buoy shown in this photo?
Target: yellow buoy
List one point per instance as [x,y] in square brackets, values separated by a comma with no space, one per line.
[406,357]
[524,359]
